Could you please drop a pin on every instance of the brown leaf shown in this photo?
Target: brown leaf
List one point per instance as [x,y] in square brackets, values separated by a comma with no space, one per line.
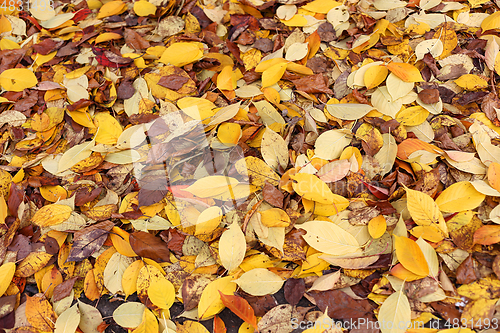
[7,305]
[174,81]
[125,90]
[466,272]
[64,289]
[342,306]
[272,195]
[135,41]
[149,246]
[312,84]
[192,288]
[294,290]
[429,96]
[47,46]
[89,240]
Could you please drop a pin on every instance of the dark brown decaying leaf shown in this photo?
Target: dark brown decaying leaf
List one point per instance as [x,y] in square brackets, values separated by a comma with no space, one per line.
[294,290]
[272,195]
[89,240]
[342,306]
[149,246]
[7,304]
[64,289]
[174,81]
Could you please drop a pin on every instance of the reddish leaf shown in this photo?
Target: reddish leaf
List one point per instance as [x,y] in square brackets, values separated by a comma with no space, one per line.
[149,246]
[487,235]
[312,84]
[64,289]
[240,307]
[219,326]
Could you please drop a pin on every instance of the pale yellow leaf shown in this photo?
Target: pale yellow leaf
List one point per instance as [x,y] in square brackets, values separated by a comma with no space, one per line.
[259,282]
[232,247]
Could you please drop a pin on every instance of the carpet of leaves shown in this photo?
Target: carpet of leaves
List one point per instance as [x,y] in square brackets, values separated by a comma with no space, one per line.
[249,166]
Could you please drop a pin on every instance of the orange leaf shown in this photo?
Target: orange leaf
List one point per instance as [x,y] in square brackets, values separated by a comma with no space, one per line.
[314,42]
[408,146]
[405,72]
[40,314]
[240,307]
[219,326]
[400,272]
[487,235]
[494,175]
[410,256]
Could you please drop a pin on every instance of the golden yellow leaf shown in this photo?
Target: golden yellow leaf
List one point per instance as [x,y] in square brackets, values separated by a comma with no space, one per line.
[148,275]
[53,193]
[377,226]
[107,36]
[459,197]
[493,176]
[273,74]
[17,79]
[129,278]
[410,256]
[210,302]
[40,314]
[6,274]
[312,188]
[375,75]
[491,22]
[405,71]
[275,217]
[180,54]
[161,292]
[412,116]
[211,186]
[229,133]
[144,8]
[296,21]
[471,82]
[3,209]
[51,215]
[190,326]
[111,8]
[32,263]
[208,220]
[109,129]
[121,242]
[149,323]
[424,211]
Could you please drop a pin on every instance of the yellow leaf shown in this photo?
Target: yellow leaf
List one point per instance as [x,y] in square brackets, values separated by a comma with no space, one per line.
[251,58]
[7,271]
[405,72]
[491,22]
[312,188]
[180,54]
[109,129]
[395,313]
[321,6]
[7,44]
[32,263]
[410,256]
[377,226]
[17,79]
[412,116]
[226,79]
[375,75]
[430,256]
[148,275]
[40,314]
[471,82]
[129,314]
[144,8]
[211,186]
[339,204]
[273,74]
[107,36]
[190,326]
[208,220]
[68,320]
[51,215]
[449,39]
[149,323]
[162,293]
[257,170]
[129,278]
[275,217]
[111,8]
[232,247]
[424,211]
[210,303]
[296,21]
[53,193]
[3,209]
[459,197]
[229,133]
[266,64]
[329,238]
[274,149]
[5,25]
[259,282]
[121,242]
[493,176]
